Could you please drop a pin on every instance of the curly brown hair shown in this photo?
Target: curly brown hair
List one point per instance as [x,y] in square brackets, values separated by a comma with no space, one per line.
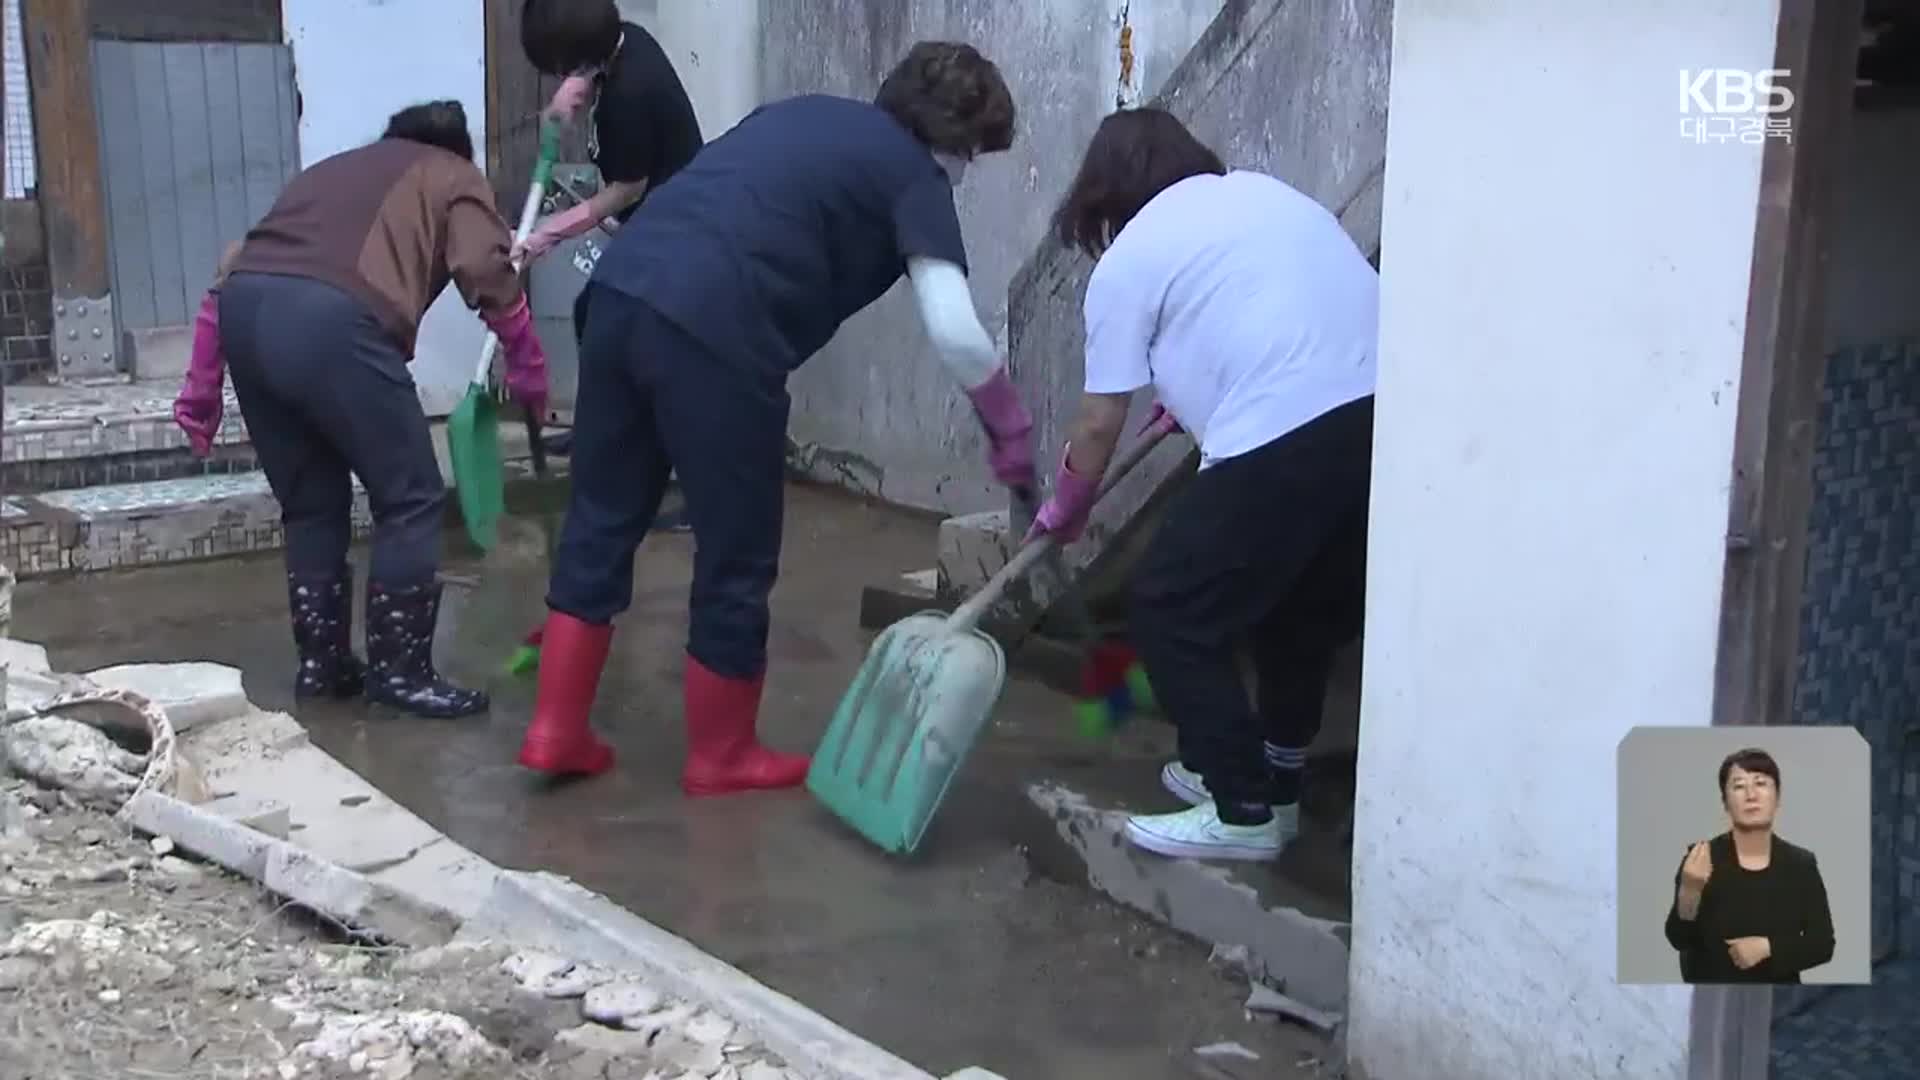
[951,98]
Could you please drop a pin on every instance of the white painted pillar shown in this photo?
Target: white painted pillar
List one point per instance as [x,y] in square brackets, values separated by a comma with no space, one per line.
[1563,309]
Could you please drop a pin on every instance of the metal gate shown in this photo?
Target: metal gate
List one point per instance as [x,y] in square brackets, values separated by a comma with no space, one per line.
[196,141]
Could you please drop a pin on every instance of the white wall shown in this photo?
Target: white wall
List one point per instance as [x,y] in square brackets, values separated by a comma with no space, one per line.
[715,45]
[356,62]
[1564,291]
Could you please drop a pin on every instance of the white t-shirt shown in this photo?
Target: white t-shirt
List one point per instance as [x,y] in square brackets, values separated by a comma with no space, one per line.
[1242,302]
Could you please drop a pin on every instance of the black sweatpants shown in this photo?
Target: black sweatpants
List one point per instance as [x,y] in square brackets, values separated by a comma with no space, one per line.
[327,396]
[653,402]
[1265,551]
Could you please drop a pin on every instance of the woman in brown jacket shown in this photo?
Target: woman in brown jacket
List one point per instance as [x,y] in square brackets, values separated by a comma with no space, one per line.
[317,316]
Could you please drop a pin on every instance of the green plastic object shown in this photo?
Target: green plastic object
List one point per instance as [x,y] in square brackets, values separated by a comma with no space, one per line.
[473,429]
[906,726]
[919,702]
[479,477]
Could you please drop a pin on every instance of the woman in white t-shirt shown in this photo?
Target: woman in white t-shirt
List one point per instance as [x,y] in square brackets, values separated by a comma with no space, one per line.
[1253,317]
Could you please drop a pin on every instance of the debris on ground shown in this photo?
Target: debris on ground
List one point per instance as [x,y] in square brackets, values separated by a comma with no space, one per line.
[120,957]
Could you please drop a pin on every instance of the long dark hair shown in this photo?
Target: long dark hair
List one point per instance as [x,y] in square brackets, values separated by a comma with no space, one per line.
[1135,154]
[435,123]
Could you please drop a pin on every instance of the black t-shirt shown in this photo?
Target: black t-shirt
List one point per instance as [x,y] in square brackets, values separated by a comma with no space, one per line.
[784,227]
[644,127]
[1786,903]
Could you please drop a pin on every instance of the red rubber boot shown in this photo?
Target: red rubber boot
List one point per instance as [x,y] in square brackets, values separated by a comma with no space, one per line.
[723,754]
[559,740]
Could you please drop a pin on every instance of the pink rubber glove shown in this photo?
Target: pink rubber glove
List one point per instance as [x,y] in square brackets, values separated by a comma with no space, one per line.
[198,408]
[1009,430]
[551,231]
[1160,422]
[1064,516]
[573,92]
[526,359]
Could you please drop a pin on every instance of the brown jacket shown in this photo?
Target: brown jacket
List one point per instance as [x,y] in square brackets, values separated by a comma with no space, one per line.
[390,223]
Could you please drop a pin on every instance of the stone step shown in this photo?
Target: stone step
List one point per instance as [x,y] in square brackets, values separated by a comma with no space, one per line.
[60,438]
[113,526]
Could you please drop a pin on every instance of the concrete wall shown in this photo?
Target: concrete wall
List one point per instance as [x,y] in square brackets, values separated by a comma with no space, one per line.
[1562,322]
[355,63]
[875,411]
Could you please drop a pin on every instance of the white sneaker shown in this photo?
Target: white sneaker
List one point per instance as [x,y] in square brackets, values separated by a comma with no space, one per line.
[1198,833]
[1188,786]
[1184,784]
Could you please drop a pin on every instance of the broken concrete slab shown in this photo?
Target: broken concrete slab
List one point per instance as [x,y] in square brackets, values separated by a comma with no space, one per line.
[253,735]
[550,912]
[337,814]
[351,899]
[1265,1000]
[972,548]
[1305,954]
[191,694]
[263,815]
[22,657]
[443,871]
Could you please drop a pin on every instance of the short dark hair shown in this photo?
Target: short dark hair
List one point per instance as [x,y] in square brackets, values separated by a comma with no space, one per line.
[435,123]
[951,98]
[1753,760]
[562,37]
[1135,154]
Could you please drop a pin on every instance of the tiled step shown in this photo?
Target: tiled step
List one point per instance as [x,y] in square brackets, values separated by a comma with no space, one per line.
[67,437]
[164,521]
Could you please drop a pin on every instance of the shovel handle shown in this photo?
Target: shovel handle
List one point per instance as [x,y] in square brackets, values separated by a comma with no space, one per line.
[529,216]
[968,615]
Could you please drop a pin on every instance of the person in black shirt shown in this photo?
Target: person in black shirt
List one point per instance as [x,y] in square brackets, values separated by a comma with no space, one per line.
[1748,907]
[644,128]
[730,276]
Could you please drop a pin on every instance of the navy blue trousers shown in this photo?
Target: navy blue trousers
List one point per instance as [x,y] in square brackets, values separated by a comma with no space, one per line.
[327,396]
[654,402]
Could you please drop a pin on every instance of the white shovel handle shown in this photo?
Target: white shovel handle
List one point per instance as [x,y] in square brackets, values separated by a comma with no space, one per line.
[529,215]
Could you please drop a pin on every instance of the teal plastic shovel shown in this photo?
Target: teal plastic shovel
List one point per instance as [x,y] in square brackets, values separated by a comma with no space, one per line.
[918,704]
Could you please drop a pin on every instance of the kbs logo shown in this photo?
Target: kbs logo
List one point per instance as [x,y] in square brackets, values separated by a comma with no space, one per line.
[1728,104]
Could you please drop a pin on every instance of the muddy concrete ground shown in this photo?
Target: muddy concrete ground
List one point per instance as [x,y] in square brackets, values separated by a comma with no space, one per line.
[958,956]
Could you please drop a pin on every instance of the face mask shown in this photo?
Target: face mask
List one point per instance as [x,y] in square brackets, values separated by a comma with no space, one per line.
[956,167]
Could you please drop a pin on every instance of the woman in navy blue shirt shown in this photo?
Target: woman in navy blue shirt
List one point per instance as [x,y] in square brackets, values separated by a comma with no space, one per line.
[725,280]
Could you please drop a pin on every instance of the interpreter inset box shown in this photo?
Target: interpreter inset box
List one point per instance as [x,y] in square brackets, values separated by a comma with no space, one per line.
[1745,855]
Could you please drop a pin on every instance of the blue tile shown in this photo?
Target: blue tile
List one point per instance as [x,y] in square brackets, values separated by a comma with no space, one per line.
[1860,665]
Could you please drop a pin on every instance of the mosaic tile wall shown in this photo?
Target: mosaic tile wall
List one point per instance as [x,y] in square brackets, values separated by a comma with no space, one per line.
[103,528]
[1860,623]
[1860,665]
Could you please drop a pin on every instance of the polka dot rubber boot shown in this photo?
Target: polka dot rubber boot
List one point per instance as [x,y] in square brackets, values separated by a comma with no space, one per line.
[322,609]
[400,673]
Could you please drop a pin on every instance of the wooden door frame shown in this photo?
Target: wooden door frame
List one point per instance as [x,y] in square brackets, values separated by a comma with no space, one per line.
[1776,425]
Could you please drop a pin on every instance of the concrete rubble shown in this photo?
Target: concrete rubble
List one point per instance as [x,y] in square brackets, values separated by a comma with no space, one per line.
[133,896]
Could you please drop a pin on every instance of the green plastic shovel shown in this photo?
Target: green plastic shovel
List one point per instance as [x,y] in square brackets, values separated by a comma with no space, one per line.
[919,702]
[473,429]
